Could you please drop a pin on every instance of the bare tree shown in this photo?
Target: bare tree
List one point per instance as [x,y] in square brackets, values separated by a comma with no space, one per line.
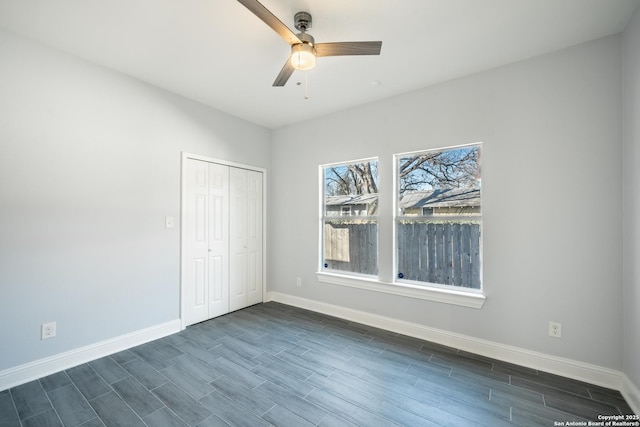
[354,178]
[431,170]
[439,169]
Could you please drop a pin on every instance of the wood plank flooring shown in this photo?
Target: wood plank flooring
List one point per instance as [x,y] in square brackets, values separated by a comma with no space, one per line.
[272,364]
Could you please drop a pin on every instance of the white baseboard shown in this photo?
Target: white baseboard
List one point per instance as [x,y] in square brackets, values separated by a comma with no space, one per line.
[631,394]
[40,368]
[577,370]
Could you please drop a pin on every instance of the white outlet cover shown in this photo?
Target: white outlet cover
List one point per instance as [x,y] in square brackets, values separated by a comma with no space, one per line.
[555,329]
[48,330]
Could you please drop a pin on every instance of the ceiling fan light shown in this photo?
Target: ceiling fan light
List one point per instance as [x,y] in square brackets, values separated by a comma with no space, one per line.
[303,56]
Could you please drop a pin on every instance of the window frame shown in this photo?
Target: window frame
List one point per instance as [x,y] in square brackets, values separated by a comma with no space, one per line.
[385,282]
[350,217]
[397,217]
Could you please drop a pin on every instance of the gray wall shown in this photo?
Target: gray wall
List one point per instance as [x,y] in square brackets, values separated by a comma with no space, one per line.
[631,320]
[552,199]
[89,168]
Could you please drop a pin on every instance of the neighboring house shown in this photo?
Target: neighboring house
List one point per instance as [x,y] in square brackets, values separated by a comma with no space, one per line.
[351,205]
[451,201]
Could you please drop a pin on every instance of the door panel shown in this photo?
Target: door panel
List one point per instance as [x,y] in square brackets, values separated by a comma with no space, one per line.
[252,281]
[199,273]
[238,239]
[254,237]
[196,247]
[218,286]
[218,240]
[200,218]
[238,283]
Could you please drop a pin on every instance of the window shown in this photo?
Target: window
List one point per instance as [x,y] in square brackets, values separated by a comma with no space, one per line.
[349,217]
[439,218]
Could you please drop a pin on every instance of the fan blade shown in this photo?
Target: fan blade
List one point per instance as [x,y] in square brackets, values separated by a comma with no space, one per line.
[348,48]
[285,73]
[271,20]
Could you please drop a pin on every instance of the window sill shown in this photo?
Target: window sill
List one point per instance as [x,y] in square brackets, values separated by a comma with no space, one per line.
[446,296]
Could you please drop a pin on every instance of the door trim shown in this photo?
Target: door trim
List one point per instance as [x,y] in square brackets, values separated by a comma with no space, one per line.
[183,160]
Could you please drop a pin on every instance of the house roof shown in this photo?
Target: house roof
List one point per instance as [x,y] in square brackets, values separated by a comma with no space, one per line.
[442,198]
[351,199]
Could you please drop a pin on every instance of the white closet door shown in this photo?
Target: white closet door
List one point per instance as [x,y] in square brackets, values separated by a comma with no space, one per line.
[222,260]
[218,240]
[245,285]
[196,245]
[238,239]
[254,237]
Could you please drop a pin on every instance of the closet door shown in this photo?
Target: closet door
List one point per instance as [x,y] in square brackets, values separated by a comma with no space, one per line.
[206,264]
[245,246]
[222,240]
[254,237]
[218,240]
[196,246]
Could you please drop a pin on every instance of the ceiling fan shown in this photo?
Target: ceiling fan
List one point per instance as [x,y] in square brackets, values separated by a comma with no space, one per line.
[304,49]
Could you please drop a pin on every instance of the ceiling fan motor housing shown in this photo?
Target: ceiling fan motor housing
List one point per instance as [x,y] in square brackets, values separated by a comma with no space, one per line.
[302,21]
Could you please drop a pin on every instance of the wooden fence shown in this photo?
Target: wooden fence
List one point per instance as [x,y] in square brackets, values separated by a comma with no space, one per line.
[446,253]
[351,247]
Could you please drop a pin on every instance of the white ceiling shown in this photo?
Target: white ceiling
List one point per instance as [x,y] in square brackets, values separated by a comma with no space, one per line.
[220,54]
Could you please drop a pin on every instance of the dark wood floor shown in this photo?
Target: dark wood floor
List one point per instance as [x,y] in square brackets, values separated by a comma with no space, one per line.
[273,364]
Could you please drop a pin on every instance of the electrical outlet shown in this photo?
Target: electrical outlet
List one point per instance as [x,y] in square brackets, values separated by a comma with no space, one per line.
[555,329]
[48,330]
[298,281]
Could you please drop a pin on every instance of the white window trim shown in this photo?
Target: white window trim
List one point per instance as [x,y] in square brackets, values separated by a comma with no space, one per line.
[429,292]
[447,296]
[323,217]
[435,288]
